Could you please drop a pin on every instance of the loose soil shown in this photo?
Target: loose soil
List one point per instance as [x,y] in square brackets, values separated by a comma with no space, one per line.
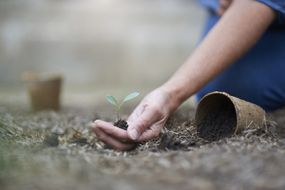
[121,124]
[218,124]
[49,150]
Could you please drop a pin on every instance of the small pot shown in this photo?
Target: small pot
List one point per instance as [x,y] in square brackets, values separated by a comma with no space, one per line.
[44,91]
[219,115]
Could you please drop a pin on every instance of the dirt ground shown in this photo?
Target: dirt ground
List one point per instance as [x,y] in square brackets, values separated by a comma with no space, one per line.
[49,150]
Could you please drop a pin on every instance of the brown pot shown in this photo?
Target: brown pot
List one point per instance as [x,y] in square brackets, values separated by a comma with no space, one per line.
[44,91]
[219,112]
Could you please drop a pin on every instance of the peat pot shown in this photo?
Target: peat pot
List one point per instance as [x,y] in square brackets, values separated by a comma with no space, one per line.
[220,115]
[44,91]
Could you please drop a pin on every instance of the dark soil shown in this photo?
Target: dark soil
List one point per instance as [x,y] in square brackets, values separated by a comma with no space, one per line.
[171,142]
[217,124]
[121,124]
[51,140]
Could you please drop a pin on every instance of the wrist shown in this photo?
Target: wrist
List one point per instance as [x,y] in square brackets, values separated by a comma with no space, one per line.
[173,99]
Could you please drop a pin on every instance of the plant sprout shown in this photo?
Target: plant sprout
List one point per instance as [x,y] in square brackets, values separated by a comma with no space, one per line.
[112,100]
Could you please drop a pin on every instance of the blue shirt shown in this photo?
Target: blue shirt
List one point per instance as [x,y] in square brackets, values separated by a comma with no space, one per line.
[259,76]
[277,5]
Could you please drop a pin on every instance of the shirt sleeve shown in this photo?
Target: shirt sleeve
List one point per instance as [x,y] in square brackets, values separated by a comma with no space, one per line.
[278,6]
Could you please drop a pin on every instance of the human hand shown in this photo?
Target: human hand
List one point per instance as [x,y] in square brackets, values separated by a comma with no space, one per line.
[111,135]
[145,122]
[149,117]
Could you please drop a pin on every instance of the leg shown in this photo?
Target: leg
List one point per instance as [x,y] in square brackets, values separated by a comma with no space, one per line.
[259,76]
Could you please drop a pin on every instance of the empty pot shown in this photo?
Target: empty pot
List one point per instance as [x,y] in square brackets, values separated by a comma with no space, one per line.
[44,91]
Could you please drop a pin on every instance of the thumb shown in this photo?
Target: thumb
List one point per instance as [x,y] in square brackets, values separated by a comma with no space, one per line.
[141,123]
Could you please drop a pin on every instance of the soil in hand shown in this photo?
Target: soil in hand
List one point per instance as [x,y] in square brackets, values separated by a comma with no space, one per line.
[217,124]
[121,124]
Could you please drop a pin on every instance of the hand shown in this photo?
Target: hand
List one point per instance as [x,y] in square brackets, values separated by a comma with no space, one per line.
[112,135]
[145,122]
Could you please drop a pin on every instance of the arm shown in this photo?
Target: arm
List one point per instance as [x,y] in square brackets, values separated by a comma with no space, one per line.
[238,30]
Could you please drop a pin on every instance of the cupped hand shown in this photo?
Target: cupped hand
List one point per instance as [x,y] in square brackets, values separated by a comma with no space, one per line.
[145,122]
[113,136]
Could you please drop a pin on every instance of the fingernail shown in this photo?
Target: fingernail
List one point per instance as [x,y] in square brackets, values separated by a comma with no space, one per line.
[94,124]
[134,134]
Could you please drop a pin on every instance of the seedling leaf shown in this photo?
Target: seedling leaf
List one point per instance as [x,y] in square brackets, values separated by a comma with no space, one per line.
[131,96]
[112,100]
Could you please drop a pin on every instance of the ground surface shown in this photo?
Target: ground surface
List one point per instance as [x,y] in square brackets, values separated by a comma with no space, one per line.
[49,150]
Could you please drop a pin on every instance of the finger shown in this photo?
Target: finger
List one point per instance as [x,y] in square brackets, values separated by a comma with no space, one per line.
[111,141]
[138,126]
[112,130]
[136,113]
[150,134]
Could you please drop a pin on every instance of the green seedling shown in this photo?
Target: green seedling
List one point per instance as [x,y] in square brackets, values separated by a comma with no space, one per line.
[112,100]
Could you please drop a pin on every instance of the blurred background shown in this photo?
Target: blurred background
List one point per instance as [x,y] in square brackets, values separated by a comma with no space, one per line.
[100,46]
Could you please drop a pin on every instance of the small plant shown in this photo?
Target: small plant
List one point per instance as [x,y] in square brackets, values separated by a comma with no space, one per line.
[112,100]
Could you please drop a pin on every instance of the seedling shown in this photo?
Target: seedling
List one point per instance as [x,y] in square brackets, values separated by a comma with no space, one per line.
[118,105]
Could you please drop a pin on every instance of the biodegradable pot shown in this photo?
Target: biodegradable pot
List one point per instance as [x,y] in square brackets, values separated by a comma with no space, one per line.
[44,91]
[219,115]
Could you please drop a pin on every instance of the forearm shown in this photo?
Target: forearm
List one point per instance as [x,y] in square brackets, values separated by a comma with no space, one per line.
[236,32]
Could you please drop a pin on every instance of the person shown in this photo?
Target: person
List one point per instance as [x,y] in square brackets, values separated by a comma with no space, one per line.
[242,52]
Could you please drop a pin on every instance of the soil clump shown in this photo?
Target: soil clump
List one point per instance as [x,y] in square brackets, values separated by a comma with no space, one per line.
[121,124]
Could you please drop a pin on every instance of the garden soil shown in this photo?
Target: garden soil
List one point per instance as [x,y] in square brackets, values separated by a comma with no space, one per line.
[57,150]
